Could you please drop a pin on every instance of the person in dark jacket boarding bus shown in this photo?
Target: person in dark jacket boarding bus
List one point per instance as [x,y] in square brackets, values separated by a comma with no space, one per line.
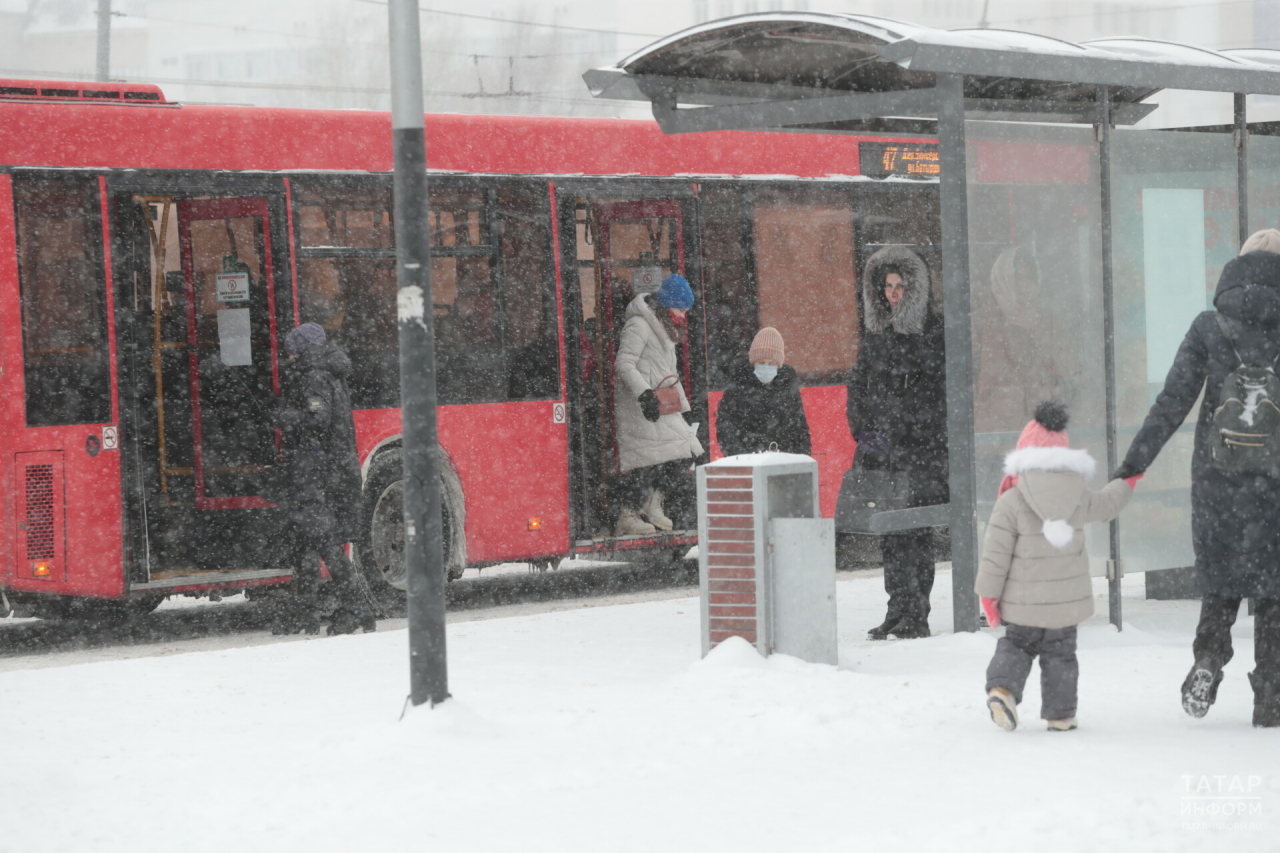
[761,409]
[897,410]
[1231,355]
[322,487]
[656,446]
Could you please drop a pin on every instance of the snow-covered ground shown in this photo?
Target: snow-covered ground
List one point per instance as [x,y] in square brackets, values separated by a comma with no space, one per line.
[598,729]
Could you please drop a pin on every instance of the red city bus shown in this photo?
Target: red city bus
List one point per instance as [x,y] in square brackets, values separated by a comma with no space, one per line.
[154,254]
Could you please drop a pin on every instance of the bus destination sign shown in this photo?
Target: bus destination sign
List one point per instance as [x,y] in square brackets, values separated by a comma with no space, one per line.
[901,159]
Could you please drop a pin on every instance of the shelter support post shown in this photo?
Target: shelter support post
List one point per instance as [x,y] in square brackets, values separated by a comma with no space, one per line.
[1241,135]
[424,561]
[103,70]
[1114,566]
[959,342]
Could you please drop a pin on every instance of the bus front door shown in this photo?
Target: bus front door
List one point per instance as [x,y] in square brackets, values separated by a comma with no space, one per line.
[207,374]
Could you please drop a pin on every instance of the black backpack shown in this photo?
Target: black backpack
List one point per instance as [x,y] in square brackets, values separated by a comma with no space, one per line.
[1246,424]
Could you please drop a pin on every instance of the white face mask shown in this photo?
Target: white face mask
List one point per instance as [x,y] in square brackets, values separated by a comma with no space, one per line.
[766,372]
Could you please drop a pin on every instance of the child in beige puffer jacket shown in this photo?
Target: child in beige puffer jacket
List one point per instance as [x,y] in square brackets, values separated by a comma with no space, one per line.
[1034,573]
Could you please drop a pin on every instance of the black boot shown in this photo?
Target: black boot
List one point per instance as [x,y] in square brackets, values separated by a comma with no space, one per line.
[881,631]
[1266,703]
[297,615]
[1200,689]
[348,620]
[911,628]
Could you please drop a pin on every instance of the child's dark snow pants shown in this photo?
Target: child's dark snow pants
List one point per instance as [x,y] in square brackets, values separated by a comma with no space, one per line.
[1059,669]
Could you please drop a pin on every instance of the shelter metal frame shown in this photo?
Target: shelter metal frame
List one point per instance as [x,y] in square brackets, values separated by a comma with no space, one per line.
[737,74]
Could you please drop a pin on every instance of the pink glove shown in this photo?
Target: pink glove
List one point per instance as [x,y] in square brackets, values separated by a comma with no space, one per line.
[991,609]
[1133,481]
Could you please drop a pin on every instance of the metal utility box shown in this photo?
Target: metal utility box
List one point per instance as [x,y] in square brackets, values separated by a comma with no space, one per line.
[766,558]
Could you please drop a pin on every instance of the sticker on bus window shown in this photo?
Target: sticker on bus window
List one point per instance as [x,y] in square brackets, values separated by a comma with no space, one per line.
[647,279]
[110,438]
[232,286]
[233,337]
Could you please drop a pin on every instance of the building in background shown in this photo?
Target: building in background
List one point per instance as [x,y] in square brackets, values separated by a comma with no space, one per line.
[497,56]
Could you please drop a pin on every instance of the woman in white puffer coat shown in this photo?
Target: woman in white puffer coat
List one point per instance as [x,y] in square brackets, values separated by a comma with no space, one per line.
[653,448]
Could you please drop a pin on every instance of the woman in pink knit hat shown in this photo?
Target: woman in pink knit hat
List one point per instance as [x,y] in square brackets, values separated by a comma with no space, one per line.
[1034,573]
[761,408]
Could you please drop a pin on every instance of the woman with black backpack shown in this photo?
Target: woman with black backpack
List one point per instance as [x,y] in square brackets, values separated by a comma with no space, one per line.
[1235,487]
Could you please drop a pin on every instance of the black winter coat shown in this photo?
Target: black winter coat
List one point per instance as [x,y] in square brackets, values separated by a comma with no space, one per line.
[899,389]
[1235,518]
[753,415]
[322,468]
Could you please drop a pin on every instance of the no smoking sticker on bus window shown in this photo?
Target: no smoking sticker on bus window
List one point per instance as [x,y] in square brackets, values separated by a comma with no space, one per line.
[110,438]
[232,286]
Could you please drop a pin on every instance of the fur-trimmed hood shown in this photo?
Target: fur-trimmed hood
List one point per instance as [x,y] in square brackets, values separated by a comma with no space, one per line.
[913,310]
[1052,479]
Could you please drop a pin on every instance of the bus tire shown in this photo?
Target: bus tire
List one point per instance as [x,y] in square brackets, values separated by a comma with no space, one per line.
[380,551]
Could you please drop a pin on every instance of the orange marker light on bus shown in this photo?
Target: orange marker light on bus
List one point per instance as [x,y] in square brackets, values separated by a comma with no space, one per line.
[40,570]
[535,524]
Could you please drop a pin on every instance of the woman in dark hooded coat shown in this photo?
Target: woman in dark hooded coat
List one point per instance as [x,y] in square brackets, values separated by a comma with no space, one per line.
[1235,518]
[323,482]
[761,407]
[897,409]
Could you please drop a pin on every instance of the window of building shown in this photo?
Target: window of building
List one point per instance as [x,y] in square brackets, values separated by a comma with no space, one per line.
[63,285]
[493,289]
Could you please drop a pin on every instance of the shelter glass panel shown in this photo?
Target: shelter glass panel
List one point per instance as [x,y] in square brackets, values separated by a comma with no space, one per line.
[1035,229]
[1174,220]
[1264,182]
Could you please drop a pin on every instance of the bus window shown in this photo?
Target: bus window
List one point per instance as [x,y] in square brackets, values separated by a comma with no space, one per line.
[492,288]
[60,273]
[781,257]
[806,285]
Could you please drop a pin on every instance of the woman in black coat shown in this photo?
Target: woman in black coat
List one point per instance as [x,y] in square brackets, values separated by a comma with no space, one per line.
[1235,518]
[897,409]
[761,407]
[323,481]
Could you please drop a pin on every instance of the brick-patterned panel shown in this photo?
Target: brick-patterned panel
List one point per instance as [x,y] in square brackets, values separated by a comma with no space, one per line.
[728,482]
[720,624]
[721,611]
[730,509]
[728,573]
[738,560]
[730,535]
[729,495]
[715,585]
[731,547]
[718,637]
[731,471]
[732,598]
[731,522]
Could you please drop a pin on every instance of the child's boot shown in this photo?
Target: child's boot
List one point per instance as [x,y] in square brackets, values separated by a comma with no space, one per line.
[1200,688]
[1069,724]
[1003,708]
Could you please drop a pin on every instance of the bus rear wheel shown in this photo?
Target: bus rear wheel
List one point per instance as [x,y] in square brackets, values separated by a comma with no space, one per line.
[382,549]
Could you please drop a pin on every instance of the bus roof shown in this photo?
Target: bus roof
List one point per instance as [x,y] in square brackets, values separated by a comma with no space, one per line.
[84,134]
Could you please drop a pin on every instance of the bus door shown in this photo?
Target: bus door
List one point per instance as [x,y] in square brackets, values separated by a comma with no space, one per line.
[206,377]
[624,248]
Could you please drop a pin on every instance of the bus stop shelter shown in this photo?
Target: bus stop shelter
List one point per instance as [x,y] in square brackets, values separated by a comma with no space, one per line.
[1076,249]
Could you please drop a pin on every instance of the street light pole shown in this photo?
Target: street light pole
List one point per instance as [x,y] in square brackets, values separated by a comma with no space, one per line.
[428,669]
[104,40]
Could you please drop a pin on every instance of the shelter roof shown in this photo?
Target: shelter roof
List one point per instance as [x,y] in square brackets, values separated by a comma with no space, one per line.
[788,57]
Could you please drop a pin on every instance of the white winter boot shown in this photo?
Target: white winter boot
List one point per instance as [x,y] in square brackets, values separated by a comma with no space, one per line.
[652,510]
[1003,708]
[631,524]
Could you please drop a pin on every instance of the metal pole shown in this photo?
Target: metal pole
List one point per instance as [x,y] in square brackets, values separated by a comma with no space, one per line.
[953,190]
[428,669]
[1114,566]
[104,40]
[1241,135]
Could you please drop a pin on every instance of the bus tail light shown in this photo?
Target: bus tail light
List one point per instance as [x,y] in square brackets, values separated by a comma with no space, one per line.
[535,524]
[41,569]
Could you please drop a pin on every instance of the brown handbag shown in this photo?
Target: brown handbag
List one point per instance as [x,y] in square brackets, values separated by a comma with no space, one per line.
[668,396]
